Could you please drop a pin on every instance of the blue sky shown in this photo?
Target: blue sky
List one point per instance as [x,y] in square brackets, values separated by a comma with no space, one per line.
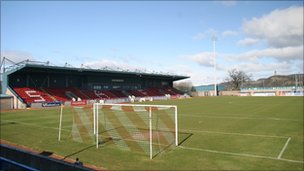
[258,37]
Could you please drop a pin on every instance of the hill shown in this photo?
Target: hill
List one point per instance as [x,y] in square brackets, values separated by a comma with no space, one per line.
[273,81]
[277,81]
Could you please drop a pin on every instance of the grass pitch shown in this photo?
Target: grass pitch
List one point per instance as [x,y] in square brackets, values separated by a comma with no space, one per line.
[226,133]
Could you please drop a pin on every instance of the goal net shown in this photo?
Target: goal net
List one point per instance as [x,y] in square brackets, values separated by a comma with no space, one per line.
[76,124]
[145,128]
[150,129]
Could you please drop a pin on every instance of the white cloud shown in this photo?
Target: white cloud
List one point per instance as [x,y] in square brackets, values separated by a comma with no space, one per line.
[247,42]
[280,28]
[199,77]
[258,67]
[284,60]
[179,69]
[203,59]
[299,66]
[112,64]
[228,3]
[16,55]
[210,33]
[199,36]
[279,54]
[229,33]
[283,54]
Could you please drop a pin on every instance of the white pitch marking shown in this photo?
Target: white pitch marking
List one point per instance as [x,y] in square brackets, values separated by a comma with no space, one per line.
[239,154]
[232,133]
[43,127]
[36,118]
[283,149]
[29,124]
[241,117]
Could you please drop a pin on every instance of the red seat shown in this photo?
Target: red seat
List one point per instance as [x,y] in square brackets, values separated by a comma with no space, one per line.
[137,93]
[58,93]
[32,95]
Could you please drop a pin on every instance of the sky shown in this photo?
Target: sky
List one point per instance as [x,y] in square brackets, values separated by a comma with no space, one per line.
[175,37]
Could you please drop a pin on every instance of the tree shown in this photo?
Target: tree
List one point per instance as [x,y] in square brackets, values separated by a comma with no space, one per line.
[236,78]
[185,86]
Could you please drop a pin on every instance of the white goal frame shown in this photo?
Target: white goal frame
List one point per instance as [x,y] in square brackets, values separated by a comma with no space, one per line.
[96,113]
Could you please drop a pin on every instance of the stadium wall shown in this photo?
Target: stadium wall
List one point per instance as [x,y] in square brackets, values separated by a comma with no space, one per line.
[220,93]
[273,91]
[229,93]
[36,161]
[17,101]
[6,102]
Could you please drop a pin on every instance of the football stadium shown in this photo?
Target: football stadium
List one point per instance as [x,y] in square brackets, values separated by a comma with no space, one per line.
[68,118]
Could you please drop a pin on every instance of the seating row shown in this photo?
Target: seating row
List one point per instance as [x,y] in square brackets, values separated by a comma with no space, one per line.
[32,95]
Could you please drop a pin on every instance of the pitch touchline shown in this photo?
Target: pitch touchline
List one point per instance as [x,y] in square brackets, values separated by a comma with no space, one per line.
[35,125]
[40,126]
[36,118]
[240,117]
[239,154]
[232,133]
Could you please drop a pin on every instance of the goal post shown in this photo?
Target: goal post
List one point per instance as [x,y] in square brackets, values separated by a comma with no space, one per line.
[76,124]
[149,128]
[60,122]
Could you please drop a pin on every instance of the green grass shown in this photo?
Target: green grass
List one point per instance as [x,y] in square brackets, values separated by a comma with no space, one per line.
[227,133]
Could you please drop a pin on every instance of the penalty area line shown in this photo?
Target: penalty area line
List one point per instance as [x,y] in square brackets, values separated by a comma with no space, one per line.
[283,149]
[239,154]
[238,117]
[233,133]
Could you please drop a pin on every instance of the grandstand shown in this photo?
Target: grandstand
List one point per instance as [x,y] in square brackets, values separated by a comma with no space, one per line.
[37,84]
